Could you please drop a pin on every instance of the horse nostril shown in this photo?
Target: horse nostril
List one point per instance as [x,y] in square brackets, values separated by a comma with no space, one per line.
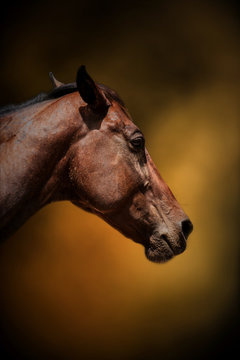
[187,228]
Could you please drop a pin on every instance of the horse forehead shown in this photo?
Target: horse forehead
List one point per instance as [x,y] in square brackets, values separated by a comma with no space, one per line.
[118,118]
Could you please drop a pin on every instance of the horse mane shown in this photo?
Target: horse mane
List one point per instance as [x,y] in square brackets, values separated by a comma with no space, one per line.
[57,93]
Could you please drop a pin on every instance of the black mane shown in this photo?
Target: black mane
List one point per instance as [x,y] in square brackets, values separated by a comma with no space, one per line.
[56,93]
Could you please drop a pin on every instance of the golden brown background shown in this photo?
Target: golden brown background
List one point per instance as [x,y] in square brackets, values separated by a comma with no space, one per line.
[71,286]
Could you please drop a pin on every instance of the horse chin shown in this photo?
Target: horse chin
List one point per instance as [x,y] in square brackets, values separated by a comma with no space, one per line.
[158,250]
[158,254]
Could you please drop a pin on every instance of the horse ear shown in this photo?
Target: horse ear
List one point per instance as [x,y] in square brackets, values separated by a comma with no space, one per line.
[54,81]
[89,91]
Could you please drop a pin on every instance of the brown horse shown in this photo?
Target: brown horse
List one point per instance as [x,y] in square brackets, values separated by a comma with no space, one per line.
[79,143]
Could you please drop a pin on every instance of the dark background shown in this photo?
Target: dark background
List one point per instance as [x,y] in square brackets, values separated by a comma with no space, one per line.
[72,287]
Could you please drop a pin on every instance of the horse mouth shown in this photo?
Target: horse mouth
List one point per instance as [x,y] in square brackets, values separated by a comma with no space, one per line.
[161,248]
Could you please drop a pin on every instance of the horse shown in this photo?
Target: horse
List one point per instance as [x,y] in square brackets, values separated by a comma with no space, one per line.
[79,143]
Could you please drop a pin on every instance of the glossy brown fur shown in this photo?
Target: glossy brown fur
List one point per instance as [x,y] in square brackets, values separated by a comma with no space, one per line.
[70,149]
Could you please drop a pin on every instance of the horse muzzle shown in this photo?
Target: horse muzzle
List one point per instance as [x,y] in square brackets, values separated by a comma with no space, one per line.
[163,244]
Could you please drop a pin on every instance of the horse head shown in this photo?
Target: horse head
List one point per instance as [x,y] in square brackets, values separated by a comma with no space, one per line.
[113,175]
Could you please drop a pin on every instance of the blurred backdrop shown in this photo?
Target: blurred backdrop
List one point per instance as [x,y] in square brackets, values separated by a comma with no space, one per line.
[71,287]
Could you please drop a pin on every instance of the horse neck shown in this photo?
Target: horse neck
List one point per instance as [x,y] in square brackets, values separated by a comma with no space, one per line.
[33,148]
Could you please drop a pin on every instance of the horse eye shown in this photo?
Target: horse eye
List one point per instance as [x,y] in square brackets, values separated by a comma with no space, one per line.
[138,143]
